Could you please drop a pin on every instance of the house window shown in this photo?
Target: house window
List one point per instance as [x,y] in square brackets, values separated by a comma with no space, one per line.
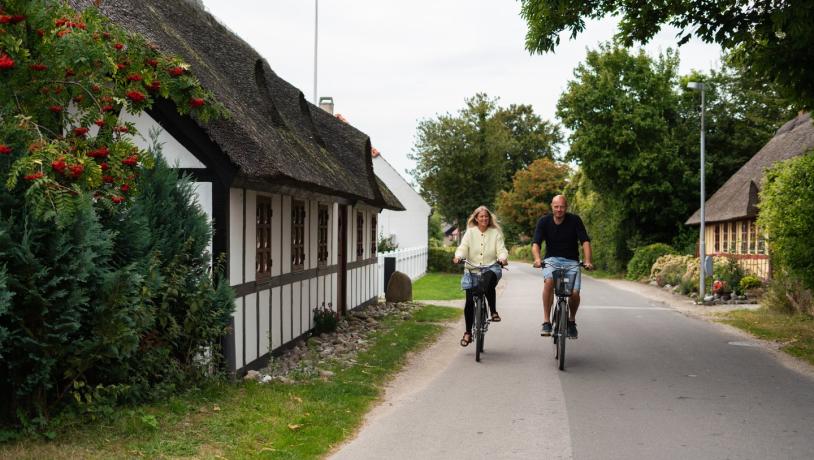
[297,235]
[263,251]
[360,231]
[725,238]
[373,235]
[752,237]
[733,238]
[761,242]
[322,236]
[717,232]
[744,236]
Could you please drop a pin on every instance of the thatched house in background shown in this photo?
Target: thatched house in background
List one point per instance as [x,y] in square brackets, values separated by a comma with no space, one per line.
[290,189]
[731,212]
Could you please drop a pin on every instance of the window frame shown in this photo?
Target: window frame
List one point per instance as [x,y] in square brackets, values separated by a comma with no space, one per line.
[298,216]
[360,234]
[323,230]
[263,238]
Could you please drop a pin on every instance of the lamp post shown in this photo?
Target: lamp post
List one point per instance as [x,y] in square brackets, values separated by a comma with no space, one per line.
[696,86]
[316,42]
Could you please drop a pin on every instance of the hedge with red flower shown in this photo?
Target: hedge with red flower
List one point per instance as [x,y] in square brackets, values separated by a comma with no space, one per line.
[66,77]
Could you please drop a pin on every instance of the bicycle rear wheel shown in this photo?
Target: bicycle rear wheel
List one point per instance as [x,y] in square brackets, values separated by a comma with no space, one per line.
[478,329]
[483,325]
[562,330]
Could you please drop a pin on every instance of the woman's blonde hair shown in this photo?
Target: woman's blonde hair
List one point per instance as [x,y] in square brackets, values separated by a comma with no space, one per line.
[473,219]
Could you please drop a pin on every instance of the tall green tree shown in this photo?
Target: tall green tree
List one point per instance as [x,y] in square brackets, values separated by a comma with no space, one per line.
[531,137]
[773,39]
[464,160]
[530,197]
[741,115]
[621,108]
[460,159]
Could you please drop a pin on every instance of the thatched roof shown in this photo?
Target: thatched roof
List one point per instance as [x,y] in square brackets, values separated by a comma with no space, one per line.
[271,135]
[738,197]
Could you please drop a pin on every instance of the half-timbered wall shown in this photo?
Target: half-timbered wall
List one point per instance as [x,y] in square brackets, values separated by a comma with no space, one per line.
[742,240]
[273,309]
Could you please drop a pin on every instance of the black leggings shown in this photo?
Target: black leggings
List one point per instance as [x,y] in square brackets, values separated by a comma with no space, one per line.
[469,308]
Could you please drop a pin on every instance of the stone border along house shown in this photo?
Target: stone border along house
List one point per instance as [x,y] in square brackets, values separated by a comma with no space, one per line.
[290,188]
[731,213]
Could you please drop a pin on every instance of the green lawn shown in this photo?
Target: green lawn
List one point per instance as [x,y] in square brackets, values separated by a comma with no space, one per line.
[794,332]
[438,286]
[248,420]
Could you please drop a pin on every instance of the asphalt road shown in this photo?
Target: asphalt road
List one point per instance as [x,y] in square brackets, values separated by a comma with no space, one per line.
[642,381]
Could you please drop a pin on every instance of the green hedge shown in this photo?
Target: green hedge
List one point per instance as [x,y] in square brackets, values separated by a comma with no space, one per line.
[440,260]
[644,258]
[787,216]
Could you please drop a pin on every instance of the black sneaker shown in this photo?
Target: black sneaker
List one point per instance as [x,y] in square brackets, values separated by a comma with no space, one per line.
[546,332]
[572,330]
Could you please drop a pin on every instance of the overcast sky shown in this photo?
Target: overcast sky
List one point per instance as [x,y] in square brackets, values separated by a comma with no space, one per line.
[390,64]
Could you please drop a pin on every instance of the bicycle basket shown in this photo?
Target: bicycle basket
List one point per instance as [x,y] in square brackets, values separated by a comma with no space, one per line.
[564,282]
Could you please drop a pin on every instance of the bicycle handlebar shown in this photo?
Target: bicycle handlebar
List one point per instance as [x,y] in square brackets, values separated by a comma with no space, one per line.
[463,260]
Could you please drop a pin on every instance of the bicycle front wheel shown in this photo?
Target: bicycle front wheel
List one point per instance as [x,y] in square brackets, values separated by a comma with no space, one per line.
[562,331]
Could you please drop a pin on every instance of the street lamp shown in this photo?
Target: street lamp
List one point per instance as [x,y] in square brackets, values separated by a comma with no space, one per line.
[696,86]
[316,42]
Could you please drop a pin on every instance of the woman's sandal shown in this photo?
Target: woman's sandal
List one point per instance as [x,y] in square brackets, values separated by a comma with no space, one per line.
[495,318]
[466,339]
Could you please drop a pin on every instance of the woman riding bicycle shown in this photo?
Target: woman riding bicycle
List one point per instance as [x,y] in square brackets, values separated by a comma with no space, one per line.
[482,244]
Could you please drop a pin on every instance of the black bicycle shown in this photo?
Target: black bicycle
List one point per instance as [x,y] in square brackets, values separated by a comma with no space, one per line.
[564,277]
[482,320]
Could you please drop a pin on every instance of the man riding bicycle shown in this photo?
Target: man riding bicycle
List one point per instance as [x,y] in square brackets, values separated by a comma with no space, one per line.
[562,232]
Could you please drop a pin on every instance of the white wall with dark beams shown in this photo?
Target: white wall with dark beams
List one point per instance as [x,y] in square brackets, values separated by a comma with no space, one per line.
[272,312]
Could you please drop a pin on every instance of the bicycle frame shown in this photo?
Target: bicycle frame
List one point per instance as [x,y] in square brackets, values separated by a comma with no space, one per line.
[482,320]
[564,277]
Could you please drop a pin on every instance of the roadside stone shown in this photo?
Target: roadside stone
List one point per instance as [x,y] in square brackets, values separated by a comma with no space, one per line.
[252,375]
[326,373]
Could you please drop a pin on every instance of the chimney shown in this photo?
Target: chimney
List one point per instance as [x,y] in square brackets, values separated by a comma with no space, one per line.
[326,103]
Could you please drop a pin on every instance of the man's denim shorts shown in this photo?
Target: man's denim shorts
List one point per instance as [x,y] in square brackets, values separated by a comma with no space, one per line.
[548,271]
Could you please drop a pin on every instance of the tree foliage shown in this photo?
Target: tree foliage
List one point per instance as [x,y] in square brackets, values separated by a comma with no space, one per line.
[531,137]
[621,108]
[464,160]
[530,197]
[65,79]
[787,215]
[773,40]
[106,287]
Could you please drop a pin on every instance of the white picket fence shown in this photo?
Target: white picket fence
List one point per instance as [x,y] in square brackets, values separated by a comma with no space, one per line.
[410,261]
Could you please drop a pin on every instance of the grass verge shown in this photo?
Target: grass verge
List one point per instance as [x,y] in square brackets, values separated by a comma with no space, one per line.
[248,419]
[795,333]
[438,286]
